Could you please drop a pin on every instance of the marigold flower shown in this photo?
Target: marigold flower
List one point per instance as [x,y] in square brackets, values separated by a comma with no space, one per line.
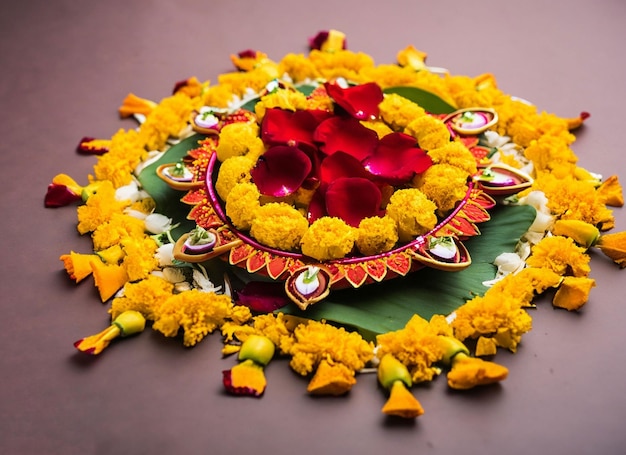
[398,111]
[376,235]
[126,324]
[191,87]
[278,225]
[140,257]
[245,378]
[328,238]
[431,133]
[573,292]
[239,139]
[299,67]
[413,58]
[242,205]
[145,296]
[317,341]
[468,372]
[456,154]
[443,184]
[286,99]
[413,212]
[561,255]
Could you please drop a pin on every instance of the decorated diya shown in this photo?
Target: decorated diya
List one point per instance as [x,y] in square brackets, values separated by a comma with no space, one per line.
[352,217]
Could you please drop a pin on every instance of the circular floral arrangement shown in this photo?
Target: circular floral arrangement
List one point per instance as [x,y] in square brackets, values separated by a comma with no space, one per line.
[325,171]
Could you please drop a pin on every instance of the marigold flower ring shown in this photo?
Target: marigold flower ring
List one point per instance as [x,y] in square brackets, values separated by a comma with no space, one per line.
[348,216]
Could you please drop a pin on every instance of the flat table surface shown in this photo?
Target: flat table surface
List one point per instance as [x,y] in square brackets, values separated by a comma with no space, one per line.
[65,68]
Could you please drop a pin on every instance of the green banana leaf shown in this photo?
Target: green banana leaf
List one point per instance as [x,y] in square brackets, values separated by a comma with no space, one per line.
[427,100]
[387,306]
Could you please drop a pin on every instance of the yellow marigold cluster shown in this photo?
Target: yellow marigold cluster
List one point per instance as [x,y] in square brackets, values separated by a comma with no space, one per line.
[234,170]
[328,238]
[167,120]
[343,63]
[430,133]
[139,257]
[299,67]
[242,205]
[417,346]
[239,139]
[561,255]
[317,341]
[456,154]
[398,112]
[413,213]
[443,184]
[118,227]
[197,314]
[125,153]
[279,225]
[376,235]
[145,296]
[289,100]
[99,208]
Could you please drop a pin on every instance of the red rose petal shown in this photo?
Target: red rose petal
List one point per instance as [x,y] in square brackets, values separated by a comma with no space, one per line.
[359,101]
[59,196]
[345,134]
[281,170]
[262,296]
[281,127]
[340,165]
[353,199]
[397,159]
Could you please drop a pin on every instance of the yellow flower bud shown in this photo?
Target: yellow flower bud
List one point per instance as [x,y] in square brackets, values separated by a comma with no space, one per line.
[452,347]
[257,348]
[583,233]
[130,322]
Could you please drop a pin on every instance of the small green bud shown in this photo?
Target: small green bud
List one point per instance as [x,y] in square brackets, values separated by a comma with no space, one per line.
[258,348]
[130,322]
[391,370]
[452,347]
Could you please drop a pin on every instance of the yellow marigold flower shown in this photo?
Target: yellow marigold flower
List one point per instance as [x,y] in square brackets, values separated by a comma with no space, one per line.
[77,265]
[139,258]
[328,238]
[248,63]
[614,246]
[286,99]
[572,199]
[561,255]
[343,63]
[125,153]
[191,87]
[242,204]
[548,152]
[234,170]
[610,192]
[429,132]
[167,120]
[398,111]
[99,208]
[218,95]
[111,255]
[279,328]
[443,184]
[413,212]
[388,76]
[416,346]
[237,139]
[255,79]
[278,225]
[118,227]
[573,292]
[145,296]
[455,154]
[331,379]
[468,372]
[526,284]
[299,67]
[318,341]
[495,315]
[109,278]
[376,235]
[197,314]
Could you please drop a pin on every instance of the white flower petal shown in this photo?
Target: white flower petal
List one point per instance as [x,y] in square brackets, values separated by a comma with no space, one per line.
[157,223]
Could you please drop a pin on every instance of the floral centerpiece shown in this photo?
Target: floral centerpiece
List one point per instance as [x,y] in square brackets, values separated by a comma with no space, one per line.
[326,172]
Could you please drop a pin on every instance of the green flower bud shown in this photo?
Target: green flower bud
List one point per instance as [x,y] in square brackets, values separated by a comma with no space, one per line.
[391,370]
[452,347]
[258,348]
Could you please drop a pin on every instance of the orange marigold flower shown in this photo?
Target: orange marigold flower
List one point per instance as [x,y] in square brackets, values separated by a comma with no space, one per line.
[614,246]
[573,292]
[78,266]
[610,192]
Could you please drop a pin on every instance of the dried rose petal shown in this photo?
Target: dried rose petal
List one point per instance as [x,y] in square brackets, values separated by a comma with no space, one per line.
[353,199]
[59,196]
[359,101]
[281,170]
[346,134]
[281,127]
[262,296]
[397,159]
[93,146]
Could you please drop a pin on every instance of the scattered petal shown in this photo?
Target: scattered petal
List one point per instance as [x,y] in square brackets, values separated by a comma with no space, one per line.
[348,135]
[281,170]
[359,101]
